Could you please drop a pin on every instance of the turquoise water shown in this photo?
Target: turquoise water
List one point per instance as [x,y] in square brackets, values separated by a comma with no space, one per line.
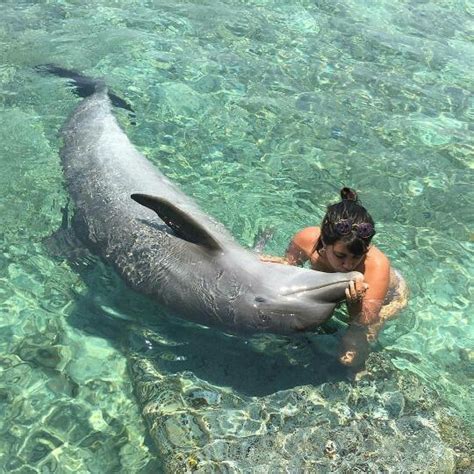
[261,111]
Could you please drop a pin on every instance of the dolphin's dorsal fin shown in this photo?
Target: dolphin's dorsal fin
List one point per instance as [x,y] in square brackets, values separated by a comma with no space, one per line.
[183,225]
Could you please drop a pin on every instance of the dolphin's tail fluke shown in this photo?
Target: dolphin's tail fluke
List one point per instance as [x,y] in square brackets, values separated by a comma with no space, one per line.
[84,86]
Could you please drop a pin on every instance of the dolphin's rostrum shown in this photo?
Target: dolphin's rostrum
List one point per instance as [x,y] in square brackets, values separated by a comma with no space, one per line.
[162,244]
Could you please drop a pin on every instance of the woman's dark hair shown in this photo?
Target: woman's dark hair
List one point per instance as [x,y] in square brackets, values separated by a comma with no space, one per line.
[349,222]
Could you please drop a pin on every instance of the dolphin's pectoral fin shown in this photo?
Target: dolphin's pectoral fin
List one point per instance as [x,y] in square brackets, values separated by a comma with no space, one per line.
[261,239]
[63,244]
[182,224]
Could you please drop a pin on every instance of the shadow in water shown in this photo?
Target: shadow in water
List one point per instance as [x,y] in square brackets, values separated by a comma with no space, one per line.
[256,366]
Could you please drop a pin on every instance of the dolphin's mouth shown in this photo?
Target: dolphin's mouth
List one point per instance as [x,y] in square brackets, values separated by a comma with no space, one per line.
[313,288]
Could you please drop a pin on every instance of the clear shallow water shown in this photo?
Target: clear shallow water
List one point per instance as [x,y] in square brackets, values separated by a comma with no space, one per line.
[261,111]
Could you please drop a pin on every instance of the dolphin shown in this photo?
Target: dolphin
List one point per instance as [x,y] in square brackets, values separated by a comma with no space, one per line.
[164,246]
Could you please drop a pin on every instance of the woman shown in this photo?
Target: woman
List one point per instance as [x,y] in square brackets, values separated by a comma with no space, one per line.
[343,244]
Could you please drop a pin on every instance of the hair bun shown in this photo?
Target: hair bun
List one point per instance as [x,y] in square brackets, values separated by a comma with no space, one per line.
[348,194]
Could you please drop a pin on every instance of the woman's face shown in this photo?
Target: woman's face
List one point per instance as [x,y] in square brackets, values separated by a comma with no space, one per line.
[341,259]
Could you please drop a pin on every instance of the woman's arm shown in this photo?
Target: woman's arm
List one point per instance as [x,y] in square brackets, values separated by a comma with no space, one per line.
[273,259]
[299,250]
[365,322]
[295,255]
[365,298]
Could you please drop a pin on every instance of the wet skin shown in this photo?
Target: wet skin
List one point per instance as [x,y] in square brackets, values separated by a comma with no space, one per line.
[364,297]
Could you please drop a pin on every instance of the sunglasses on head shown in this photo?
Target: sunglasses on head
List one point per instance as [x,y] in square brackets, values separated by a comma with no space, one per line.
[364,230]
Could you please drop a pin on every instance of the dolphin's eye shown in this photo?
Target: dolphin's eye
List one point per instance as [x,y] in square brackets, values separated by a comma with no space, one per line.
[260,299]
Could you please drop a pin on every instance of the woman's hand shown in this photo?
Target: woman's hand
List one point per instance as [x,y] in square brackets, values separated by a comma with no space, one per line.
[356,290]
[354,348]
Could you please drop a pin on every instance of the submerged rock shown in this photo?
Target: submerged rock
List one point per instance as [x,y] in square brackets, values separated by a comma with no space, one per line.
[387,421]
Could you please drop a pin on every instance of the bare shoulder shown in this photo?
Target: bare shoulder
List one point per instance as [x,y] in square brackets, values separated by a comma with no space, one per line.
[377,276]
[306,238]
[377,261]
[302,245]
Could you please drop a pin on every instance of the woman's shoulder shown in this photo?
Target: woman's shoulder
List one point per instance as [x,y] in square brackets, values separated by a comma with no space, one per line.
[376,274]
[302,245]
[377,260]
[307,237]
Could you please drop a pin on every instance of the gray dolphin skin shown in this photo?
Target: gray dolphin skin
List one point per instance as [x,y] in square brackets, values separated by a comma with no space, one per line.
[163,245]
